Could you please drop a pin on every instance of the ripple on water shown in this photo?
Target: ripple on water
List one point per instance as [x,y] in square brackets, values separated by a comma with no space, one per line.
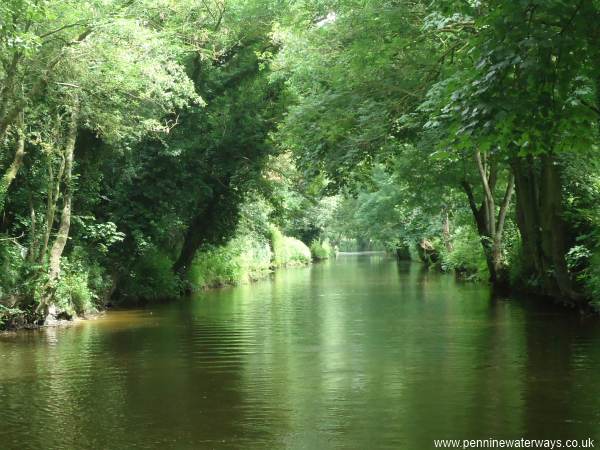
[361,353]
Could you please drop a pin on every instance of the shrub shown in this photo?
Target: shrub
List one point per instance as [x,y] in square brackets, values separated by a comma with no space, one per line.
[11,267]
[9,315]
[151,278]
[245,258]
[466,258]
[80,286]
[590,277]
[215,266]
[321,250]
[73,294]
[277,246]
[296,252]
[255,259]
[288,251]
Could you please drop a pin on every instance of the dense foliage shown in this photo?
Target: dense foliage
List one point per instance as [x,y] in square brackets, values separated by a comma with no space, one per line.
[457,123]
[149,147]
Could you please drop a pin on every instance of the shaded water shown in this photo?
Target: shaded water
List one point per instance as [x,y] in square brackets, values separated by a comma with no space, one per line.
[360,353]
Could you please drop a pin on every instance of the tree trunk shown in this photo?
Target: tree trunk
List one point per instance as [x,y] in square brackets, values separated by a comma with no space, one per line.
[192,242]
[490,227]
[213,224]
[13,169]
[554,237]
[65,219]
[500,268]
[7,94]
[195,237]
[541,224]
[53,193]
[524,171]
[33,243]
[481,216]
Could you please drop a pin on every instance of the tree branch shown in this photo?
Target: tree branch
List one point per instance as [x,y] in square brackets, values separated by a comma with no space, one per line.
[510,188]
[469,191]
[64,27]
[488,193]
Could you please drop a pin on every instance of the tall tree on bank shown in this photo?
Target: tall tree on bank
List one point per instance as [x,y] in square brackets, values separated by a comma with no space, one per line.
[510,91]
[231,135]
[526,99]
[115,79]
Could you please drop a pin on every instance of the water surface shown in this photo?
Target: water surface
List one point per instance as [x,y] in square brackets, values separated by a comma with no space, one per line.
[361,353]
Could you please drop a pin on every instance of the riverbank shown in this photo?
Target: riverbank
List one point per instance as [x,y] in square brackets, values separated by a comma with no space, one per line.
[245,259]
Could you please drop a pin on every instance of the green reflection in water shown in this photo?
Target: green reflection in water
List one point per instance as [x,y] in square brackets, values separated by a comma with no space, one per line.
[357,353]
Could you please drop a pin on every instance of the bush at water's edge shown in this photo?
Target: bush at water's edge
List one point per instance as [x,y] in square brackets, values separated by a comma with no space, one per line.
[321,249]
[287,251]
[242,260]
[248,257]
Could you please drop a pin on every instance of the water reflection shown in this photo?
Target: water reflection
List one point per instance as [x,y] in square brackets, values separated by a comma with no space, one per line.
[357,353]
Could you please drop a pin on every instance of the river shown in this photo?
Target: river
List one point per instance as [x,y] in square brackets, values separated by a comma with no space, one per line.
[358,353]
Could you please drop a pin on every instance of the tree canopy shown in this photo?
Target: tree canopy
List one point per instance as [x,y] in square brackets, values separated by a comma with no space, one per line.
[140,138]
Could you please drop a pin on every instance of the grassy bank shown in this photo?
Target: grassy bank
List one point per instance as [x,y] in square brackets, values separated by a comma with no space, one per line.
[246,258]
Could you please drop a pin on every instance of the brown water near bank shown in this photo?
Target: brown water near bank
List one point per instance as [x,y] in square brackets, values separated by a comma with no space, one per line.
[357,353]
